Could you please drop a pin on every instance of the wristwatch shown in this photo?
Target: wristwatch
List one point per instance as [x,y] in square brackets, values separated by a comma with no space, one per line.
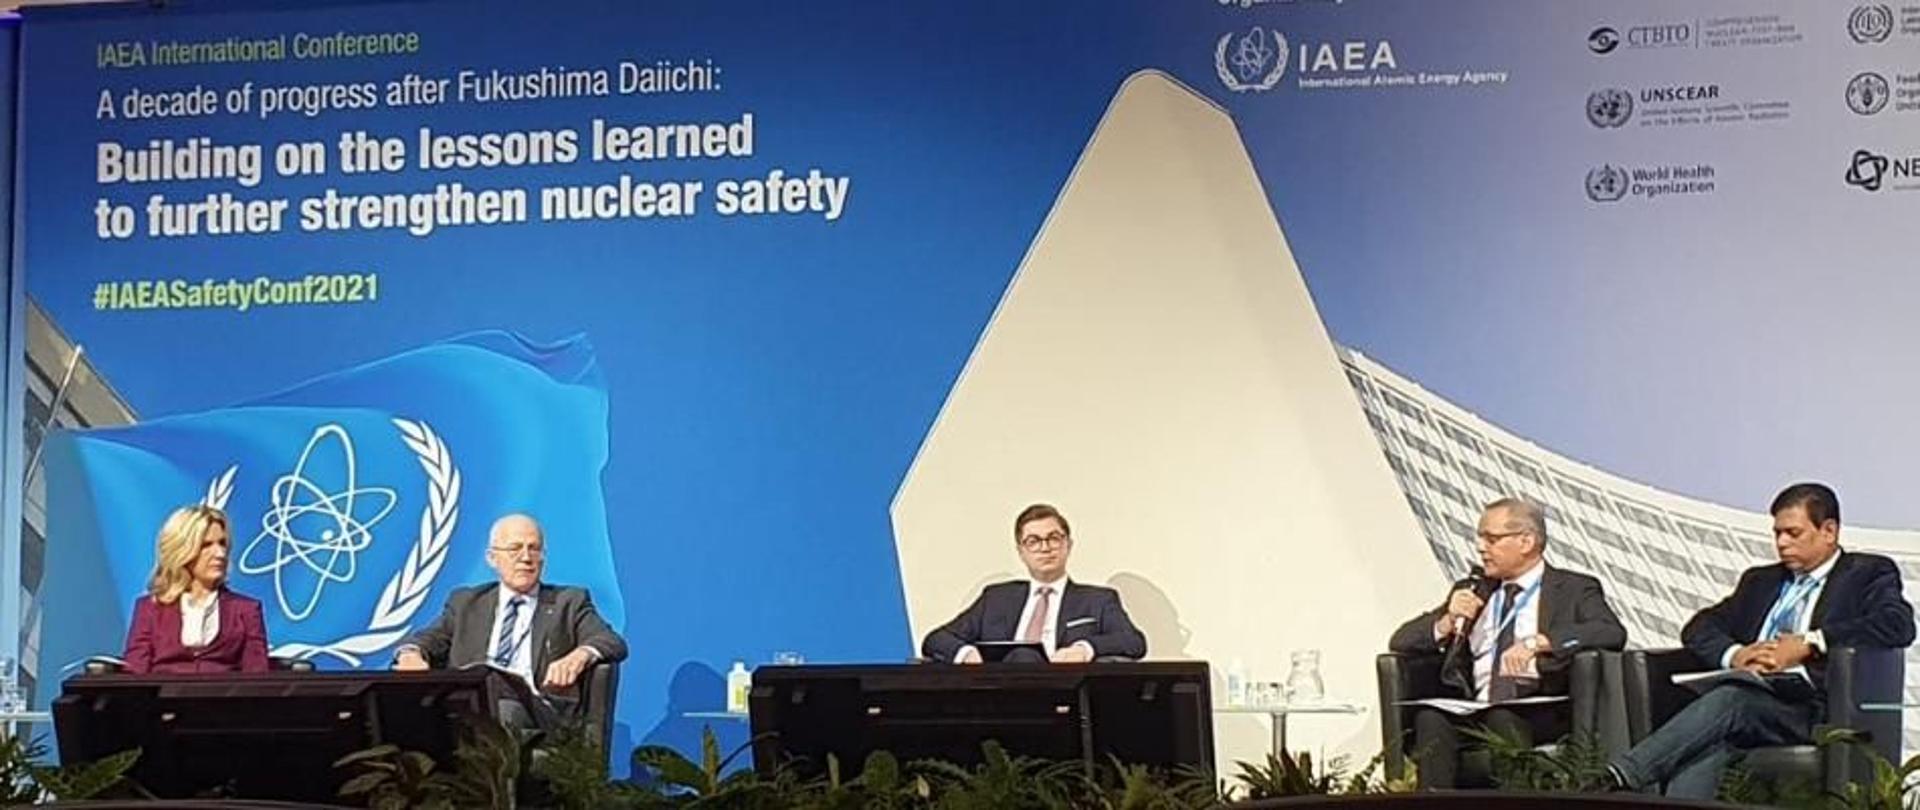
[1532,644]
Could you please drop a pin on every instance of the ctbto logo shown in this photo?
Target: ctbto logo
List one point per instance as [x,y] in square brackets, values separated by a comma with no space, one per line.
[1606,39]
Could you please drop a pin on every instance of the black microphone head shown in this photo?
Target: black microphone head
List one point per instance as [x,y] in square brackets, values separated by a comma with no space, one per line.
[1478,581]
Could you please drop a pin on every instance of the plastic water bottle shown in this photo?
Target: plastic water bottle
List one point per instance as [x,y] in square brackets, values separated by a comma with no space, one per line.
[739,683]
[1237,684]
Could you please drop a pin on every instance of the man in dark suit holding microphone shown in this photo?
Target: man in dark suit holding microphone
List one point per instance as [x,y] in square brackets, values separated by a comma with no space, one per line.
[1073,622]
[1509,631]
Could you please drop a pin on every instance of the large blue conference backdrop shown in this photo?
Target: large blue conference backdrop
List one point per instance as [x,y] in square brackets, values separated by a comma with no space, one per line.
[710,396]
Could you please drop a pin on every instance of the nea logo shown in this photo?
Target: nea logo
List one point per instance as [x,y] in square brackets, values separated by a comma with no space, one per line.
[1870,171]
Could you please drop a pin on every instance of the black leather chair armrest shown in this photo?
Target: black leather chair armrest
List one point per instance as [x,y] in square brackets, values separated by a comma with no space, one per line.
[599,687]
[1402,677]
[1857,676]
[1651,696]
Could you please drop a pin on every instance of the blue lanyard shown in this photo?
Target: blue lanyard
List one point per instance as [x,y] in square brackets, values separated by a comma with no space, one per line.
[1781,604]
[1519,603]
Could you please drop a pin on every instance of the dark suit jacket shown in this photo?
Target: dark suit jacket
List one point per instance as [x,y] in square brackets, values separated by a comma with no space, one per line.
[1088,613]
[153,639]
[564,621]
[1574,615]
[1860,606]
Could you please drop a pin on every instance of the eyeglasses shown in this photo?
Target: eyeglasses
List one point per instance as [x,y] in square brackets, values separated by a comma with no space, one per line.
[515,552]
[1495,537]
[1034,542]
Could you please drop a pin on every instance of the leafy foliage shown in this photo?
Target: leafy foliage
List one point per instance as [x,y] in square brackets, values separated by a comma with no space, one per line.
[1578,764]
[24,779]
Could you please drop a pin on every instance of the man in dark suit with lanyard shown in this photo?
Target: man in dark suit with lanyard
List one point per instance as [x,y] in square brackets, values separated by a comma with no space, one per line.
[1507,634]
[1781,618]
[1073,622]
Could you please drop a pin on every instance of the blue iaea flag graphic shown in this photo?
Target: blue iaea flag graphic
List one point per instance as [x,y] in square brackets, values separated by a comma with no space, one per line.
[357,500]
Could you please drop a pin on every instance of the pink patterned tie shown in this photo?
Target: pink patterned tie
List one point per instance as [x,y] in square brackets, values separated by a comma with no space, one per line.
[1041,607]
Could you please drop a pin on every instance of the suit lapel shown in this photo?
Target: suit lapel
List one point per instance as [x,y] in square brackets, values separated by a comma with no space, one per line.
[171,617]
[1004,616]
[1069,608]
[1826,590]
[1765,600]
[544,619]
[229,626]
[1549,601]
[478,638]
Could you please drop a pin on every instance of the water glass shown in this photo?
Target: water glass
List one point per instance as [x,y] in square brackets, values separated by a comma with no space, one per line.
[1273,694]
[1258,695]
[1303,683]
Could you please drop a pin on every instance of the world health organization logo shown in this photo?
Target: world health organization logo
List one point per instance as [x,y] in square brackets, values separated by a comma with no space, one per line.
[1870,23]
[1606,183]
[1867,93]
[1609,108]
[1257,61]
[1867,170]
[346,515]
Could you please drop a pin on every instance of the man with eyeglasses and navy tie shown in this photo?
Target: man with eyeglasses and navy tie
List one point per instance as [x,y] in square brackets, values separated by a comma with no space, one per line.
[546,634]
[1073,622]
[1509,633]
[1781,618]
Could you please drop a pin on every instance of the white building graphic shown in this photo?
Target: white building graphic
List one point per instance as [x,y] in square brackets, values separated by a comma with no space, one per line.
[1157,369]
[1662,556]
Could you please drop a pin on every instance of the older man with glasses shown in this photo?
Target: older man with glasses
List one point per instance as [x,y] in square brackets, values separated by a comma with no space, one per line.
[1072,621]
[517,624]
[1508,632]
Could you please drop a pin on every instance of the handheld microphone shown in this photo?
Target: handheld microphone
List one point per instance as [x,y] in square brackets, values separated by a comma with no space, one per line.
[1478,583]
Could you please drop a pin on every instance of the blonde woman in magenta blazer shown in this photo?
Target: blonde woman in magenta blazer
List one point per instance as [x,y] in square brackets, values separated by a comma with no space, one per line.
[189,621]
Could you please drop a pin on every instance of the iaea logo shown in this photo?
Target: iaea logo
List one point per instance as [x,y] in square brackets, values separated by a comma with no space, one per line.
[1867,93]
[1257,60]
[1608,108]
[1870,23]
[1606,183]
[321,526]
[317,529]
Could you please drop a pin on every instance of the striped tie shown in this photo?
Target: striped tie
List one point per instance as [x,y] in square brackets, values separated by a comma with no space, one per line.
[508,643]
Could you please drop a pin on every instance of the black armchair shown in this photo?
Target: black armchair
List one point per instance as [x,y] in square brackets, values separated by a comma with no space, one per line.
[599,688]
[1593,685]
[1855,676]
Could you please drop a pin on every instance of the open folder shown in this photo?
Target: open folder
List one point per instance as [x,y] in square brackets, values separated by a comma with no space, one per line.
[1791,685]
[1463,708]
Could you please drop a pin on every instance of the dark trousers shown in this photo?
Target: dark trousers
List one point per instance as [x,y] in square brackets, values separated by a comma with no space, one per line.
[1691,750]
[1436,736]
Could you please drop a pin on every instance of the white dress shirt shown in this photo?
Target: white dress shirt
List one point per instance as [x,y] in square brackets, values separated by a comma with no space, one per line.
[1052,620]
[1807,601]
[199,624]
[1486,629]
[1048,634]
[522,663]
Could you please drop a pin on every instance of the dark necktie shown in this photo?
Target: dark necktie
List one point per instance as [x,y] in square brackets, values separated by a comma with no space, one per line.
[508,643]
[1503,687]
